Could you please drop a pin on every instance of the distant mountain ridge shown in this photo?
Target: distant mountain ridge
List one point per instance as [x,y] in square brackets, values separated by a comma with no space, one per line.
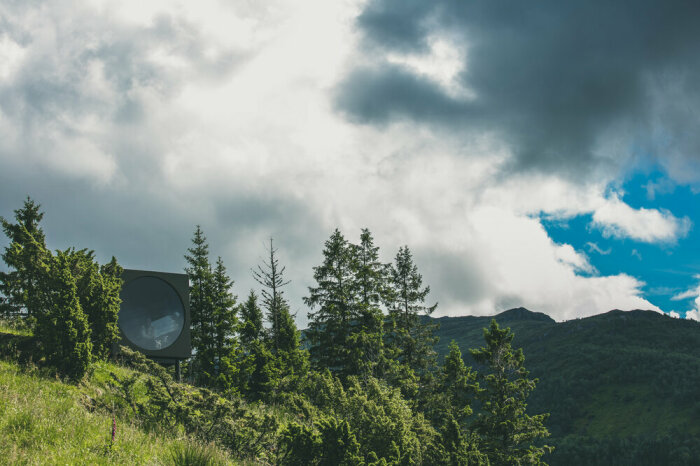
[631,377]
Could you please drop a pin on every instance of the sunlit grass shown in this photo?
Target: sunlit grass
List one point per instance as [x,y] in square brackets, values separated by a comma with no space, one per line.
[46,421]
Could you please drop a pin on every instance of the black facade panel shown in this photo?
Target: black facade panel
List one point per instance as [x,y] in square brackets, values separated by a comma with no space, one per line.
[154,317]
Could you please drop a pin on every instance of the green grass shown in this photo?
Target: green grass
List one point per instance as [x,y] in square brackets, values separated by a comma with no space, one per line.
[14,328]
[46,421]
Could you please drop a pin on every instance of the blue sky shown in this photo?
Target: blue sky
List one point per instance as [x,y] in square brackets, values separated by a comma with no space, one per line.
[513,149]
[667,268]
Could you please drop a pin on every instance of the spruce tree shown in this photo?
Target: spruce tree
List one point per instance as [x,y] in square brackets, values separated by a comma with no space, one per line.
[412,339]
[256,364]
[98,291]
[271,278]
[24,257]
[333,307]
[505,429]
[201,307]
[104,325]
[251,328]
[283,336]
[62,327]
[225,320]
[366,342]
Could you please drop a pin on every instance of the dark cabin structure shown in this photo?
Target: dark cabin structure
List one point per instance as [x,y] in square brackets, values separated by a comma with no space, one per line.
[154,317]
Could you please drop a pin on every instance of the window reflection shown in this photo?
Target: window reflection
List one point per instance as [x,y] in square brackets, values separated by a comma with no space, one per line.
[151,315]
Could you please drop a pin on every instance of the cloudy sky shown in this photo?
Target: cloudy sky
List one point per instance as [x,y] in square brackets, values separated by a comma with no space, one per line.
[544,154]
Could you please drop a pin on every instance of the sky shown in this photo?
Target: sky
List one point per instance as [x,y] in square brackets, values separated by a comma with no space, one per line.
[543,155]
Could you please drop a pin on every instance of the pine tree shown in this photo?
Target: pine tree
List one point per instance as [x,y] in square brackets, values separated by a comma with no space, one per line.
[62,327]
[506,431]
[104,325]
[457,383]
[201,307]
[24,257]
[334,299]
[256,364]
[283,336]
[370,273]
[448,406]
[366,342]
[251,328]
[98,291]
[291,359]
[271,278]
[225,321]
[412,339]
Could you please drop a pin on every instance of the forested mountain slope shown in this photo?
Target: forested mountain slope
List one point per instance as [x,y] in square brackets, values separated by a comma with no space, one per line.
[614,379]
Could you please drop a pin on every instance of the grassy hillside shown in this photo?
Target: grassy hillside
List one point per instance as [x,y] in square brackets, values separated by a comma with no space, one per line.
[630,376]
[46,421]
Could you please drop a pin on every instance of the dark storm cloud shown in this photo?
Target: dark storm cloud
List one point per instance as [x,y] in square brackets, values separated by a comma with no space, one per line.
[392,93]
[556,81]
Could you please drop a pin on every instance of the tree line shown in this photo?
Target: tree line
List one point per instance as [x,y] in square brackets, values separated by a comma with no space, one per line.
[362,384]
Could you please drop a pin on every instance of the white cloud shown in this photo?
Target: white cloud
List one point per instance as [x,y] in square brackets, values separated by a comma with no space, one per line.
[618,219]
[694,293]
[168,115]
[674,314]
[593,247]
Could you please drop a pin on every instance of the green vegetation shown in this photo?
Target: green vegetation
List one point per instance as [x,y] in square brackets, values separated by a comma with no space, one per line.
[374,380]
[66,299]
[617,385]
[46,421]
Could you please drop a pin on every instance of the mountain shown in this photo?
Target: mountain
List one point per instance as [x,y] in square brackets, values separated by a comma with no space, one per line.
[615,381]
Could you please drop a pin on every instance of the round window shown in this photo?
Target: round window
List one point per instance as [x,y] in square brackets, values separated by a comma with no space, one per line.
[152,315]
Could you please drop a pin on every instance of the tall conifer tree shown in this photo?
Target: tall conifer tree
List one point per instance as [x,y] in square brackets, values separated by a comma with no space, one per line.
[283,340]
[24,256]
[62,327]
[98,291]
[201,307]
[366,341]
[506,431]
[412,338]
[251,320]
[332,301]
[271,278]
[256,363]
[225,320]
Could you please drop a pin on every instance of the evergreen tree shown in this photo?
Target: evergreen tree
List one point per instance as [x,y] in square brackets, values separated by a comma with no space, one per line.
[283,336]
[201,307]
[366,343]
[24,257]
[98,292]
[292,360]
[449,408]
[258,375]
[412,339]
[251,328]
[455,387]
[506,431]
[225,322]
[104,324]
[334,299]
[370,273]
[62,327]
[271,278]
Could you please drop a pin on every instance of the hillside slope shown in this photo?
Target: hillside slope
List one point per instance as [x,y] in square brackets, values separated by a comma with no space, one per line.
[44,420]
[631,376]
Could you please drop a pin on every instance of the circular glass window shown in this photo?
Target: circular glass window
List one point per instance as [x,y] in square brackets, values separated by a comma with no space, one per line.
[152,315]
